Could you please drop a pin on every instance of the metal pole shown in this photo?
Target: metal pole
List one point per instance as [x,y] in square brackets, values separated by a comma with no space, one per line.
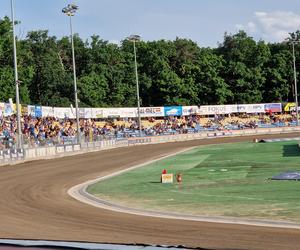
[296,89]
[75,83]
[137,89]
[19,142]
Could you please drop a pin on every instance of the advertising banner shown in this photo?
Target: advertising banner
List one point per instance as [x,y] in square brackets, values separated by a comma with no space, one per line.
[167,178]
[173,111]
[62,113]
[8,109]
[152,111]
[97,113]
[47,111]
[38,111]
[80,112]
[250,108]
[24,110]
[119,112]
[239,108]
[31,110]
[88,113]
[15,108]
[273,107]
[189,110]
[217,109]
[1,109]
[290,106]
[112,113]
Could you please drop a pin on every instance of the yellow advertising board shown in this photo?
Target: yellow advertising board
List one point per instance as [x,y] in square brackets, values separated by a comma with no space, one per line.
[167,178]
[15,108]
[24,110]
[290,106]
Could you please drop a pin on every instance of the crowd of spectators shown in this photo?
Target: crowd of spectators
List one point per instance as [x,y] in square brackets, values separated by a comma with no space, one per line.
[49,130]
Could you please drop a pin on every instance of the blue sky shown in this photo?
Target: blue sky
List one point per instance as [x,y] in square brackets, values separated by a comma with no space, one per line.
[203,21]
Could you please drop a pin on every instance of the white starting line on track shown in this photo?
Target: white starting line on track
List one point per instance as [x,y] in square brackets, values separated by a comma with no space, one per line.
[79,192]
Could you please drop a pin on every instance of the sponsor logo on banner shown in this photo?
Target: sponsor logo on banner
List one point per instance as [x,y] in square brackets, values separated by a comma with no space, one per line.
[47,111]
[81,112]
[258,108]
[173,111]
[38,111]
[24,110]
[1,109]
[273,107]
[119,112]
[290,106]
[250,108]
[31,110]
[167,178]
[97,113]
[216,109]
[237,108]
[242,108]
[189,110]
[7,109]
[62,113]
[88,113]
[151,111]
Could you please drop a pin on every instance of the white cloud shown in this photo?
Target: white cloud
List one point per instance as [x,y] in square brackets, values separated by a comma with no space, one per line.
[272,26]
[250,27]
[277,25]
[114,41]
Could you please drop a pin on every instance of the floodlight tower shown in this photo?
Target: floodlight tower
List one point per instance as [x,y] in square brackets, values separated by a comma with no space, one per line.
[293,42]
[70,11]
[17,82]
[134,39]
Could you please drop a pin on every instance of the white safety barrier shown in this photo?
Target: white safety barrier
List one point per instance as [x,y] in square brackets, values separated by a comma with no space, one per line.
[11,156]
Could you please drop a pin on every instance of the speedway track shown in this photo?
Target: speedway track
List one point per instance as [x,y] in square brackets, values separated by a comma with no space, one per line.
[34,204]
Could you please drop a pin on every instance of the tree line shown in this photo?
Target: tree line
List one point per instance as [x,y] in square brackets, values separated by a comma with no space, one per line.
[179,72]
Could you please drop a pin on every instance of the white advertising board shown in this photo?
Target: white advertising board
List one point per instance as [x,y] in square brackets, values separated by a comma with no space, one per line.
[62,113]
[88,113]
[228,109]
[119,112]
[31,110]
[167,178]
[97,112]
[47,111]
[151,111]
[217,109]
[1,109]
[251,108]
[189,110]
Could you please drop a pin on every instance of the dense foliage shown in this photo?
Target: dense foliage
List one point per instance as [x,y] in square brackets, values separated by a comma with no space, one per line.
[178,72]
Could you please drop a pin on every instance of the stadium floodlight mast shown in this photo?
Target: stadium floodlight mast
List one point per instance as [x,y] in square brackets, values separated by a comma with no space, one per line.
[294,41]
[17,81]
[70,11]
[134,39]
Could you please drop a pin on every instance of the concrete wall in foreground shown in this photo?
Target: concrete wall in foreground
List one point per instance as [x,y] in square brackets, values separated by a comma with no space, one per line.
[13,156]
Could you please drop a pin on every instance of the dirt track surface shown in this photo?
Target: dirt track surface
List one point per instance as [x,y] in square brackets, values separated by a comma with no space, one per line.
[34,204]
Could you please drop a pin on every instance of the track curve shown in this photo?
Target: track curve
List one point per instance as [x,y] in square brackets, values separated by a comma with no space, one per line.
[34,204]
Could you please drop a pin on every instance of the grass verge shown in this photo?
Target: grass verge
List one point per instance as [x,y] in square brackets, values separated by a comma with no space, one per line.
[218,180]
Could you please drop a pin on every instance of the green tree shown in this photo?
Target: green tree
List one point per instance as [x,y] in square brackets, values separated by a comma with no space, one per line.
[50,80]
[245,61]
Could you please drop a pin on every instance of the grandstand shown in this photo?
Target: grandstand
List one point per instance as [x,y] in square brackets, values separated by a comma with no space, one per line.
[53,126]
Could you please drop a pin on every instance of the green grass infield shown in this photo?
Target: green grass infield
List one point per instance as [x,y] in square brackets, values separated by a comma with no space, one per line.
[218,180]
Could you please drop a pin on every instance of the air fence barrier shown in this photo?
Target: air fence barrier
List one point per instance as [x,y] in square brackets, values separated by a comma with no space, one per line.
[12,156]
